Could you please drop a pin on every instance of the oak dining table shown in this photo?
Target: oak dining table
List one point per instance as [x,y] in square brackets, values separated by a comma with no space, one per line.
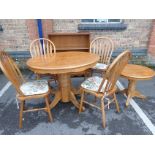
[135,73]
[63,64]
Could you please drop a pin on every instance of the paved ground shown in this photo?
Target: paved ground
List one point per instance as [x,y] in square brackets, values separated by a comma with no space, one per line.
[67,120]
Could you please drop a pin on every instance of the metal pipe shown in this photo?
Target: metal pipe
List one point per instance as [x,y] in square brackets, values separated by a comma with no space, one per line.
[40,31]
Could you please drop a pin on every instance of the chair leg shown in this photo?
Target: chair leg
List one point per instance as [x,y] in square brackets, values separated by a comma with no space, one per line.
[128,100]
[95,99]
[91,73]
[38,76]
[48,109]
[116,103]
[103,114]
[85,76]
[55,78]
[21,113]
[81,102]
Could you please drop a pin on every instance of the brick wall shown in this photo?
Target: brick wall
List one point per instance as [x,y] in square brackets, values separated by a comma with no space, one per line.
[47,25]
[14,36]
[32,29]
[151,45]
[135,36]
[17,34]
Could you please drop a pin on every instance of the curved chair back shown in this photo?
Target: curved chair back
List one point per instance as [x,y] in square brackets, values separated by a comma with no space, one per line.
[103,46]
[42,46]
[114,71]
[11,71]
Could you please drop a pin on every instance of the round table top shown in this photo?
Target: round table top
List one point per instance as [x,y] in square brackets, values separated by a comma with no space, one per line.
[137,72]
[63,62]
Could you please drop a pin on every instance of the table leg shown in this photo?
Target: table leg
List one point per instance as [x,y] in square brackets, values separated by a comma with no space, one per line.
[56,100]
[76,91]
[74,100]
[139,95]
[64,86]
[132,92]
[124,91]
[65,93]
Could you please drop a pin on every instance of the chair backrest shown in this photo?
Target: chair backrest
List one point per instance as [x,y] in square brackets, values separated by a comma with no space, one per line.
[42,46]
[103,46]
[11,71]
[114,70]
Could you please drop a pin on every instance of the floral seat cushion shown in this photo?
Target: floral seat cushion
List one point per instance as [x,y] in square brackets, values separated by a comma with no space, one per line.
[34,87]
[93,83]
[100,66]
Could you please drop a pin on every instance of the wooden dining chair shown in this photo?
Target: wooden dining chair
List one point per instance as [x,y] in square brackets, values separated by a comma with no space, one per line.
[42,47]
[104,87]
[102,46]
[25,90]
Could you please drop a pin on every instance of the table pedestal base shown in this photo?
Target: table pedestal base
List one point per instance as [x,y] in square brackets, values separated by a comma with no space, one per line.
[65,93]
[132,92]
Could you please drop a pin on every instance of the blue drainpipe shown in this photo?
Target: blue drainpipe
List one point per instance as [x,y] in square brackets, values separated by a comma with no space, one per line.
[40,30]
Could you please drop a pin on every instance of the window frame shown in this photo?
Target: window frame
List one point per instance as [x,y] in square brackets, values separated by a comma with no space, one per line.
[107,21]
[88,26]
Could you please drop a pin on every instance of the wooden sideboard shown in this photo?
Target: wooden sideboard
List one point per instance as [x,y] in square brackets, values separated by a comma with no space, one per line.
[70,41]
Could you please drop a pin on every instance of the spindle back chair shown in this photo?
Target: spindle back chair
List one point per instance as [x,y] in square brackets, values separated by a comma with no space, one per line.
[12,72]
[104,47]
[105,87]
[42,46]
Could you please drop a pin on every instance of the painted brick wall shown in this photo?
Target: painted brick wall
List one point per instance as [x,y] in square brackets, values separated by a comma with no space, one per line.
[135,36]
